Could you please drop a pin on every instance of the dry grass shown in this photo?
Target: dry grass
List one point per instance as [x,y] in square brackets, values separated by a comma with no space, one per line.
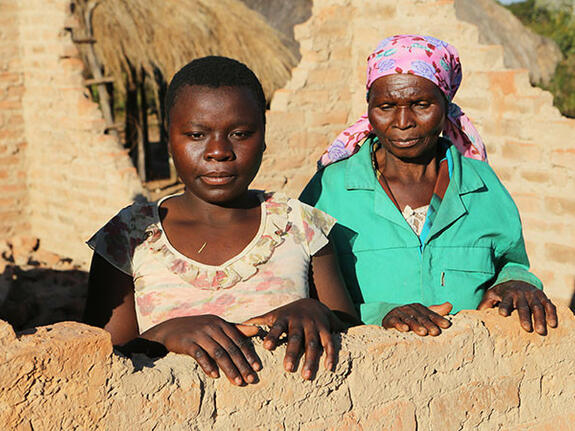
[135,36]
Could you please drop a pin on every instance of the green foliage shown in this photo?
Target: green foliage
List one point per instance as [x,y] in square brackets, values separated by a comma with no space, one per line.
[560,26]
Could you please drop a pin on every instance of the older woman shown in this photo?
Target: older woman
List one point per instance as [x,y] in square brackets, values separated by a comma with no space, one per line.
[424,224]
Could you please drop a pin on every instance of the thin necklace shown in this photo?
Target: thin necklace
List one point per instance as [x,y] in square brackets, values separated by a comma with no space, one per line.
[384,183]
[202,247]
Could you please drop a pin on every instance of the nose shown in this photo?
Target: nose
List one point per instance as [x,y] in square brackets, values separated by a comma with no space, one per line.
[404,118]
[219,148]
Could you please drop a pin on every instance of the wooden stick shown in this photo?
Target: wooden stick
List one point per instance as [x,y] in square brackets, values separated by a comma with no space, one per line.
[103,80]
[84,40]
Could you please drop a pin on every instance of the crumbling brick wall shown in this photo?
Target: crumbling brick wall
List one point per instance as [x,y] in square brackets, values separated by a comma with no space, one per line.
[13,191]
[69,178]
[483,373]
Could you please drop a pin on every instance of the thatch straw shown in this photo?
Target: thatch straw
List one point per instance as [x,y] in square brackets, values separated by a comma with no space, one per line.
[151,35]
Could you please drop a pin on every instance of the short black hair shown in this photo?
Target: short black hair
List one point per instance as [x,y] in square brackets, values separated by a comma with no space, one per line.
[215,71]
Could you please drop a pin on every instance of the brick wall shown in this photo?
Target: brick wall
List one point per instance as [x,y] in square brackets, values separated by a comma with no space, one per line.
[13,192]
[76,176]
[483,373]
[531,147]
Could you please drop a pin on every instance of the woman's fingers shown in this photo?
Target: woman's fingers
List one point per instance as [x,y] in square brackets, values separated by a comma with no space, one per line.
[294,347]
[418,318]
[442,309]
[506,305]
[250,330]
[313,351]
[206,363]
[410,318]
[394,321]
[246,346]
[490,299]
[550,312]
[524,312]
[329,349]
[229,357]
[272,339]
[539,317]
[535,310]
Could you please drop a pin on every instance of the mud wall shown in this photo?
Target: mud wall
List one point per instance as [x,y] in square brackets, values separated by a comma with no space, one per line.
[483,373]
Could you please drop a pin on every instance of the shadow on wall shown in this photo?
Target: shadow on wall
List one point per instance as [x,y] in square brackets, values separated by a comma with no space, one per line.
[41,296]
[572,302]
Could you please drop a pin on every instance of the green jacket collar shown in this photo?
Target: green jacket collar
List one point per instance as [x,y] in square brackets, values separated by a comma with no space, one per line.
[359,173]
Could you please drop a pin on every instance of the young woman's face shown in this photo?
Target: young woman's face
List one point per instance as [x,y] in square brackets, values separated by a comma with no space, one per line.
[407,113]
[216,141]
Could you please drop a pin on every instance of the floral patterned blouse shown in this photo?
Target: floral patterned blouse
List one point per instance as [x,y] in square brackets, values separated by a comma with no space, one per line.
[271,271]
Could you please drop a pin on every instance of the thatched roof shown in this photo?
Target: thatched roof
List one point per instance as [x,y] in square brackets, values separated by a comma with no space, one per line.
[166,34]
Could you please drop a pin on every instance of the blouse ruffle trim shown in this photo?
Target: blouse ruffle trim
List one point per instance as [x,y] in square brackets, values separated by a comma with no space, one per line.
[208,277]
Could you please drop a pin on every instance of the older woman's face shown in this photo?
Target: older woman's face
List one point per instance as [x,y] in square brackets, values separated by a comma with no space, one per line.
[407,114]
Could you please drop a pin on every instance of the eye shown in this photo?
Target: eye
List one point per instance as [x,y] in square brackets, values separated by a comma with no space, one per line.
[241,134]
[195,136]
[386,106]
[422,104]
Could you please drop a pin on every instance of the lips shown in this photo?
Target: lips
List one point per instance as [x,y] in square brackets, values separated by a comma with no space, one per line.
[404,143]
[217,178]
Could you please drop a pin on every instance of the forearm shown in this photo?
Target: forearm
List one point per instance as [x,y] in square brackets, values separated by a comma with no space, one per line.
[518,272]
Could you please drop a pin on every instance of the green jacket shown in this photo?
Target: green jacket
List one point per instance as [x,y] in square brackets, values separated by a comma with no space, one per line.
[475,240]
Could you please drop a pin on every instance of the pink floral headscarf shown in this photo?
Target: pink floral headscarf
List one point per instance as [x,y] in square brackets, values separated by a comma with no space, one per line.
[423,56]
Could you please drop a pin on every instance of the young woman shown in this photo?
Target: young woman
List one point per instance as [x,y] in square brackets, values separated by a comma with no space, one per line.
[188,270]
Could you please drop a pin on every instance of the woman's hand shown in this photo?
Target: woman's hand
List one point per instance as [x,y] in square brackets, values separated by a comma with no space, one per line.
[213,343]
[308,325]
[527,300]
[418,318]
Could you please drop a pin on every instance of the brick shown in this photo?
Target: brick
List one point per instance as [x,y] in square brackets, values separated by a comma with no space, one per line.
[528,202]
[503,82]
[313,97]
[6,105]
[536,176]
[561,206]
[12,188]
[521,152]
[326,75]
[331,118]
[564,157]
[560,253]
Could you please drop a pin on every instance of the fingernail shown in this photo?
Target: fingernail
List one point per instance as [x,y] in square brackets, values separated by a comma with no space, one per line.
[289,366]
[250,378]
[215,374]
[256,366]
[307,374]
[329,366]
[268,344]
[238,381]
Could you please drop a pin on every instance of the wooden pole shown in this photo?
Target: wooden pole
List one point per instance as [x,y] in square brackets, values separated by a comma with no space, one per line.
[95,67]
[132,117]
[143,141]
